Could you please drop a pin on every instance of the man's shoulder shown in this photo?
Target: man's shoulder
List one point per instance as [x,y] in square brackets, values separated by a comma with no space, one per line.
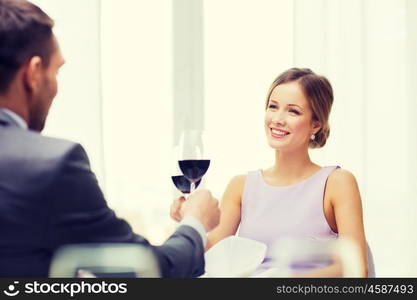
[33,145]
[30,159]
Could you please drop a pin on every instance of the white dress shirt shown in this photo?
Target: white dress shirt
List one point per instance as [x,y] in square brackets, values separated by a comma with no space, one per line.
[197,225]
[18,119]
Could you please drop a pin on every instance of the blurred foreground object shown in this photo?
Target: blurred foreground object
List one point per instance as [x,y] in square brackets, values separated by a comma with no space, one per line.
[104,260]
[308,257]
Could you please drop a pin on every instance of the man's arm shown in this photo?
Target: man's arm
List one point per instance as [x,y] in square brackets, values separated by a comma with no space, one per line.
[80,214]
[182,255]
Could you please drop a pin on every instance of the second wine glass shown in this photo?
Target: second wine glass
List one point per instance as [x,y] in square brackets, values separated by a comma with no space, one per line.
[192,160]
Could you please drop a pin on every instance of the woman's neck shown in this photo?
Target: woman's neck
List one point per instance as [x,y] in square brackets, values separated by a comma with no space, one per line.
[292,166]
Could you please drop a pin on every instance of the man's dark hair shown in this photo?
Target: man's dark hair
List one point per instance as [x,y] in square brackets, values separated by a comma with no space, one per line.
[25,31]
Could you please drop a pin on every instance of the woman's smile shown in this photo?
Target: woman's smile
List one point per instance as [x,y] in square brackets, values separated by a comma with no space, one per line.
[279,133]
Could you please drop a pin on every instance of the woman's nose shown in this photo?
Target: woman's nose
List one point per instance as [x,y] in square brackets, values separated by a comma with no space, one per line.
[278,118]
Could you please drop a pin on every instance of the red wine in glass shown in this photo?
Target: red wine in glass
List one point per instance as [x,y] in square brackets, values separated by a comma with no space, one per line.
[191,159]
[194,169]
[183,184]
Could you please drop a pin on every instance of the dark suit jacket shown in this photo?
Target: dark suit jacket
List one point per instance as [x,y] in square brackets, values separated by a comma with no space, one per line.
[49,197]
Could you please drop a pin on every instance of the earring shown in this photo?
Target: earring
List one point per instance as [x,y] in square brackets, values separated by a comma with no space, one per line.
[313,136]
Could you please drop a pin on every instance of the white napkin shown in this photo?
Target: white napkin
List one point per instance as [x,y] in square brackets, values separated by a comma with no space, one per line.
[234,257]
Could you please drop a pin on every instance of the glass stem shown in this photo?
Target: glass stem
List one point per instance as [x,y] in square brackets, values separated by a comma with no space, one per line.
[192,187]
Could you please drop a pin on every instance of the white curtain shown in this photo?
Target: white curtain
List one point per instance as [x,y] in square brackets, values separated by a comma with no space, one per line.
[138,112]
[363,47]
[76,111]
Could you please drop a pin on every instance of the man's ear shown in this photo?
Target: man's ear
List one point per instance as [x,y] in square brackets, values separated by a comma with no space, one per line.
[33,74]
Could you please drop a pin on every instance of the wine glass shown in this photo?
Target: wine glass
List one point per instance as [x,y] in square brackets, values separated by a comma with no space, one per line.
[179,180]
[183,184]
[312,257]
[192,161]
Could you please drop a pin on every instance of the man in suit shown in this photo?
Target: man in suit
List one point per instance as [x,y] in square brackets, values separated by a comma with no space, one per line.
[49,196]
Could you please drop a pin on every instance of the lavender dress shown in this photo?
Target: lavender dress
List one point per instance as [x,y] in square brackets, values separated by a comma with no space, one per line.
[271,212]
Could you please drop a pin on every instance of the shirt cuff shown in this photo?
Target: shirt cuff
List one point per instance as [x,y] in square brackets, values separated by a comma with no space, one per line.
[197,225]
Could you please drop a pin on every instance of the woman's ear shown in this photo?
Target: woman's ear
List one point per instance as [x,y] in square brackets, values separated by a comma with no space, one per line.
[33,74]
[316,126]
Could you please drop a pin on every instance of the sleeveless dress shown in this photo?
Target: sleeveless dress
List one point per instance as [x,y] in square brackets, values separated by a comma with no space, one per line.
[272,212]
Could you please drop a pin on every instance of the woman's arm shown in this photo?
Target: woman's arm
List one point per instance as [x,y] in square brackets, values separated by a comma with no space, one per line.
[230,211]
[345,198]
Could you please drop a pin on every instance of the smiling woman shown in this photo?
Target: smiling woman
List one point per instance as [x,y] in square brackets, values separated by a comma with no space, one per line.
[295,197]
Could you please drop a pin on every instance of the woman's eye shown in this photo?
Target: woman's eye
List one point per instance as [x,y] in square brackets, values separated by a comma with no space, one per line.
[272,106]
[294,111]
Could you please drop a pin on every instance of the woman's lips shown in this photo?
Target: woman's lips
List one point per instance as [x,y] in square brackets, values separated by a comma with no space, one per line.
[278,133]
